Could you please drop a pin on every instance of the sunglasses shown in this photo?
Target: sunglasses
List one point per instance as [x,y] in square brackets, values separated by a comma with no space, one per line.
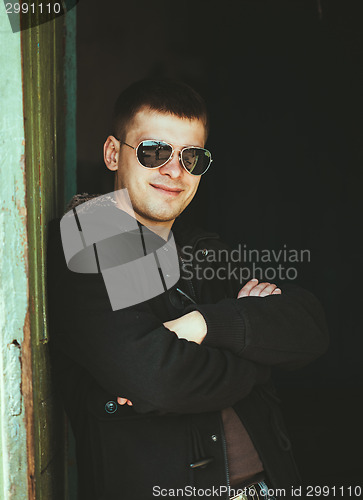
[154,154]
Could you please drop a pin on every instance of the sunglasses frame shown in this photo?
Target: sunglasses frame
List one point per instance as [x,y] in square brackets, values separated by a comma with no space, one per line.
[171,155]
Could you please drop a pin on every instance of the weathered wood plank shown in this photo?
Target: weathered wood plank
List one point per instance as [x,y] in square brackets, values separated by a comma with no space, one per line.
[45,145]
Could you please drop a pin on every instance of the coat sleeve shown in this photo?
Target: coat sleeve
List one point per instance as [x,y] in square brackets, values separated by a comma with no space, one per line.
[287,330]
[131,354]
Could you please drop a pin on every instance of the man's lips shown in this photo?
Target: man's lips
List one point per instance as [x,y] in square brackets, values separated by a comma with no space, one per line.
[172,191]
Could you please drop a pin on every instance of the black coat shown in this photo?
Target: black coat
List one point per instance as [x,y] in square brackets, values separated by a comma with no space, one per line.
[177,387]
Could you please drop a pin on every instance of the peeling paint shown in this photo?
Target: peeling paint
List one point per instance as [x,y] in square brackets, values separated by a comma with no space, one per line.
[26,431]
[13,266]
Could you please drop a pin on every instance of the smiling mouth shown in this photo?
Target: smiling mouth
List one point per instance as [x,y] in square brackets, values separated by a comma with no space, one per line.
[166,189]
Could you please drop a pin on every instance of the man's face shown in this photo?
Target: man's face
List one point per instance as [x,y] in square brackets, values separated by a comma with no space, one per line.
[159,195]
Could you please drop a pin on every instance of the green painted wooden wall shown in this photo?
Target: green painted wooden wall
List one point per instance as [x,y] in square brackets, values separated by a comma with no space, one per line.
[38,174]
[49,84]
[13,269]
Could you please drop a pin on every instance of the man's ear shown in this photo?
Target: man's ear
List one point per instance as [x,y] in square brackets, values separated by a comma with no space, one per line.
[111,150]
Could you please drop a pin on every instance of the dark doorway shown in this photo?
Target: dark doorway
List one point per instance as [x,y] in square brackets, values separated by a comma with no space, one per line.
[283,81]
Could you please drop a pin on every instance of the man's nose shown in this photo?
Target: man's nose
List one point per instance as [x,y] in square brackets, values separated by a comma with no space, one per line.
[173,168]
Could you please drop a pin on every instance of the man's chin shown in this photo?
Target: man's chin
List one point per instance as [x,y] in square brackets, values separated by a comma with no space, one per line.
[159,216]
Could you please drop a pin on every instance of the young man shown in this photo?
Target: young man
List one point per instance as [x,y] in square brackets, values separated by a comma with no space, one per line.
[172,396]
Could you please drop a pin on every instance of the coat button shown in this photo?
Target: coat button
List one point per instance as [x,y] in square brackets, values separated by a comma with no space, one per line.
[214,437]
[111,407]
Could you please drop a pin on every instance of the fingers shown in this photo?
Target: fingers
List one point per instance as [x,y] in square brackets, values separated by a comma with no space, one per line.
[255,289]
[246,289]
[262,290]
[123,401]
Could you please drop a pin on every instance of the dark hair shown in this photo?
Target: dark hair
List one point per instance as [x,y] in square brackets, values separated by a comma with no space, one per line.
[164,95]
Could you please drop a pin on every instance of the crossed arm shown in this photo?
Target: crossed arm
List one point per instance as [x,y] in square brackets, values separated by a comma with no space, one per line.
[193,327]
[132,353]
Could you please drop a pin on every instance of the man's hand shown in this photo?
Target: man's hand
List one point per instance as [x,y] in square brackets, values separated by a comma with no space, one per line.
[192,326]
[123,401]
[253,289]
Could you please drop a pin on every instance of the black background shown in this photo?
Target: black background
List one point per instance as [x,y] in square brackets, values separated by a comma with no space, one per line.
[283,83]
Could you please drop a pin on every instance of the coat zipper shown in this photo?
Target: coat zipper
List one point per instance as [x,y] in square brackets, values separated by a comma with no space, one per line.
[224,451]
[224,444]
[188,282]
[190,286]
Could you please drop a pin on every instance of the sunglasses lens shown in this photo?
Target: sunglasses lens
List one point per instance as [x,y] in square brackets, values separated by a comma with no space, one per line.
[196,160]
[153,154]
